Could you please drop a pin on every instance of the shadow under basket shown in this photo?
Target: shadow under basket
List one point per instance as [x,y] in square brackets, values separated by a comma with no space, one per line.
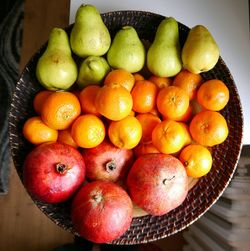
[200,198]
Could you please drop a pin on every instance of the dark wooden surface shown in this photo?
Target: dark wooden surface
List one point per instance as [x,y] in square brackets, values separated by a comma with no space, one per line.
[23,227]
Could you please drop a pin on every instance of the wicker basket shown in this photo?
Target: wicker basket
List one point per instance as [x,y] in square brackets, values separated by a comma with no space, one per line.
[200,198]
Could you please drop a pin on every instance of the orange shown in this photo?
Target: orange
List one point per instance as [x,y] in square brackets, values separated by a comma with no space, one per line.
[188,81]
[186,116]
[64,136]
[187,136]
[138,76]
[132,113]
[39,100]
[208,128]
[145,148]
[168,136]
[196,159]
[148,122]
[122,77]
[87,99]
[160,81]
[125,133]
[88,131]
[114,102]
[213,95]
[60,109]
[144,96]
[172,102]
[37,132]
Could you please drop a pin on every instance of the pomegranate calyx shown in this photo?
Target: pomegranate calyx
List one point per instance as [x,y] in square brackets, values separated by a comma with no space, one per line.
[61,168]
[110,166]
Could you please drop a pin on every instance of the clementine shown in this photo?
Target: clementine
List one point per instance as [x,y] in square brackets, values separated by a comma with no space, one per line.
[60,109]
[64,136]
[208,128]
[188,81]
[122,77]
[160,81]
[144,96]
[172,102]
[168,136]
[148,122]
[39,99]
[114,101]
[213,95]
[138,76]
[88,131]
[87,99]
[125,133]
[37,132]
[197,160]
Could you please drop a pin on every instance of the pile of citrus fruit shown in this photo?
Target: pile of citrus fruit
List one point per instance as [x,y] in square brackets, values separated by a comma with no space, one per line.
[178,115]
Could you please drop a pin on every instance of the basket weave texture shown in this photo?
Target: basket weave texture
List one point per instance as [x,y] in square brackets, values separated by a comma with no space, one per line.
[200,198]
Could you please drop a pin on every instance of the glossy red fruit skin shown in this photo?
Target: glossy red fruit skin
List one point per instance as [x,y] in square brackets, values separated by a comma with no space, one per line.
[107,162]
[53,172]
[157,183]
[101,211]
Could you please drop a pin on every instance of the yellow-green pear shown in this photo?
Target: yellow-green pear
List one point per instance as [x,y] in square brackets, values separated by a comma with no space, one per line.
[200,52]
[127,50]
[56,69]
[164,54]
[92,70]
[89,35]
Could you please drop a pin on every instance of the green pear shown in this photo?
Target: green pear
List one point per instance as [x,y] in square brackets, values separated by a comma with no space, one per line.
[164,54]
[92,70]
[89,35]
[56,69]
[200,52]
[127,50]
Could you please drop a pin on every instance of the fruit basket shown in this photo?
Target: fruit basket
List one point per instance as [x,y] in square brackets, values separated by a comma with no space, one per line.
[200,197]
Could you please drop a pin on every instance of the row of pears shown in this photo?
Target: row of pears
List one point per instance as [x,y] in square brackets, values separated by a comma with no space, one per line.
[90,40]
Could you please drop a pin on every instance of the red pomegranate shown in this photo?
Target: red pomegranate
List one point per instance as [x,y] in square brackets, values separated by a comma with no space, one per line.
[53,172]
[101,211]
[157,183]
[107,162]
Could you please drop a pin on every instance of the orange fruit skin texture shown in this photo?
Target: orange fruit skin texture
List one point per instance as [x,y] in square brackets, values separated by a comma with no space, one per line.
[122,77]
[37,132]
[197,160]
[88,131]
[189,82]
[64,136]
[169,136]
[160,82]
[60,109]
[138,77]
[125,133]
[144,96]
[148,122]
[208,128]
[39,100]
[87,99]
[172,102]
[213,95]
[114,102]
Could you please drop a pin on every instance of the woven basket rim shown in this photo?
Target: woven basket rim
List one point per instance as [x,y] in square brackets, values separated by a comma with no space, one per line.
[133,236]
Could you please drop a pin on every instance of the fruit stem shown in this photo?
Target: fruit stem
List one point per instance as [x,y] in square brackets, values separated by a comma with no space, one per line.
[110,166]
[166,180]
[61,168]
